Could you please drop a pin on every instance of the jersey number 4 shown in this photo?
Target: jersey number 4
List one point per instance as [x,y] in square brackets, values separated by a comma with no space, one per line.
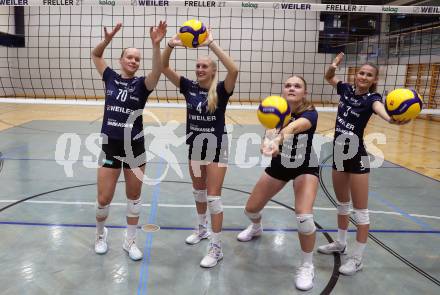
[199,107]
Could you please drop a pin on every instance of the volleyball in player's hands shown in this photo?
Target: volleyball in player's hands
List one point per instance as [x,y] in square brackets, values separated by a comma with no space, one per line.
[193,33]
[274,112]
[403,104]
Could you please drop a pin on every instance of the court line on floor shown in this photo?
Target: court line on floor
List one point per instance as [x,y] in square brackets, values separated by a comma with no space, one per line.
[374,238]
[144,274]
[76,203]
[231,229]
[397,209]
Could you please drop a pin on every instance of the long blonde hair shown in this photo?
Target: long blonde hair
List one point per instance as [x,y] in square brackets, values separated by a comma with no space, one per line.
[212,93]
[305,104]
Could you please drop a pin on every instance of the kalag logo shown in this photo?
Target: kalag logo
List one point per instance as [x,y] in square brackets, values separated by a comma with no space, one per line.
[107,2]
[390,9]
[249,5]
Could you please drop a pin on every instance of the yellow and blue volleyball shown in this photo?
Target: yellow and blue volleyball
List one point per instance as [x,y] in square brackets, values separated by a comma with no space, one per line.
[193,33]
[274,112]
[403,104]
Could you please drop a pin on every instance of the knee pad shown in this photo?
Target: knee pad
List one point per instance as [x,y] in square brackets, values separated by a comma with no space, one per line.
[134,207]
[215,204]
[102,211]
[306,225]
[252,216]
[343,208]
[200,196]
[361,216]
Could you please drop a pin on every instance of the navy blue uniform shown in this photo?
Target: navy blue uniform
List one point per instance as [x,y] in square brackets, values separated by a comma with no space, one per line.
[298,156]
[122,97]
[354,111]
[205,131]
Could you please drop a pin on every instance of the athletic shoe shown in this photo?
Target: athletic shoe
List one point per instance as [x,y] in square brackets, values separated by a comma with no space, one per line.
[335,247]
[133,251]
[352,265]
[304,277]
[198,235]
[214,255]
[101,242]
[249,233]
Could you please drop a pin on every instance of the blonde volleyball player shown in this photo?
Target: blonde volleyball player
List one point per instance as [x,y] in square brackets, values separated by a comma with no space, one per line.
[350,174]
[206,101]
[296,161]
[124,93]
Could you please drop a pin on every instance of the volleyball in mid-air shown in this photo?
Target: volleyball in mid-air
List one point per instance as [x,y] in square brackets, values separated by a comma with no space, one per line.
[403,104]
[274,112]
[193,33]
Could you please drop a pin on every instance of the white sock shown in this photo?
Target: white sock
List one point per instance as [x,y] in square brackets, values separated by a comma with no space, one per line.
[342,236]
[306,257]
[131,231]
[358,249]
[216,238]
[202,219]
[256,226]
[100,227]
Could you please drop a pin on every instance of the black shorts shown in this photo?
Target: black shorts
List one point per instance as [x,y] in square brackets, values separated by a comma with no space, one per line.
[203,153]
[358,164]
[279,171]
[115,148]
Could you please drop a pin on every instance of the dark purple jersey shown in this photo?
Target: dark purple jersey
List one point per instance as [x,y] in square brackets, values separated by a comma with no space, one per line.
[199,120]
[354,111]
[299,148]
[122,97]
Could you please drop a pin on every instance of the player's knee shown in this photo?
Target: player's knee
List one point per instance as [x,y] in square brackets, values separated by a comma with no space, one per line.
[215,204]
[343,208]
[134,207]
[252,215]
[102,210]
[200,196]
[361,216]
[306,224]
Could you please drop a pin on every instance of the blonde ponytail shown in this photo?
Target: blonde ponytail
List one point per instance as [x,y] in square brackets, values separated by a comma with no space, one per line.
[212,93]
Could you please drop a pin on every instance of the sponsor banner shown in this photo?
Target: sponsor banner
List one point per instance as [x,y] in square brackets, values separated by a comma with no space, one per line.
[337,8]
[426,9]
[14,2]
[150,3]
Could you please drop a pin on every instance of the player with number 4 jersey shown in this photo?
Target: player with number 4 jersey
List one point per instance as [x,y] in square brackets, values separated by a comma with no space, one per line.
[206,101]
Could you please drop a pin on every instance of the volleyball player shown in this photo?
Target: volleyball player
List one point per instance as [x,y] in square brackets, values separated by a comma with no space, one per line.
[206,100]
[124,94]
[350,174]
[295,160]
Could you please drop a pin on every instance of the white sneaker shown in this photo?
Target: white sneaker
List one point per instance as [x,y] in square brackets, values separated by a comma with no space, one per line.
[101,242]
[304,277]
[335,247]
[249,233]
[198,235]
[352,265]
[133,251]
[214,255]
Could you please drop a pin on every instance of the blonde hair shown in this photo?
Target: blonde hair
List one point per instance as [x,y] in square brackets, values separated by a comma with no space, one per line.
[212,93]
[305,104]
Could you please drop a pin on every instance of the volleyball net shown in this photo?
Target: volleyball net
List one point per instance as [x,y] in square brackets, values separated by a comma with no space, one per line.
[45,46]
